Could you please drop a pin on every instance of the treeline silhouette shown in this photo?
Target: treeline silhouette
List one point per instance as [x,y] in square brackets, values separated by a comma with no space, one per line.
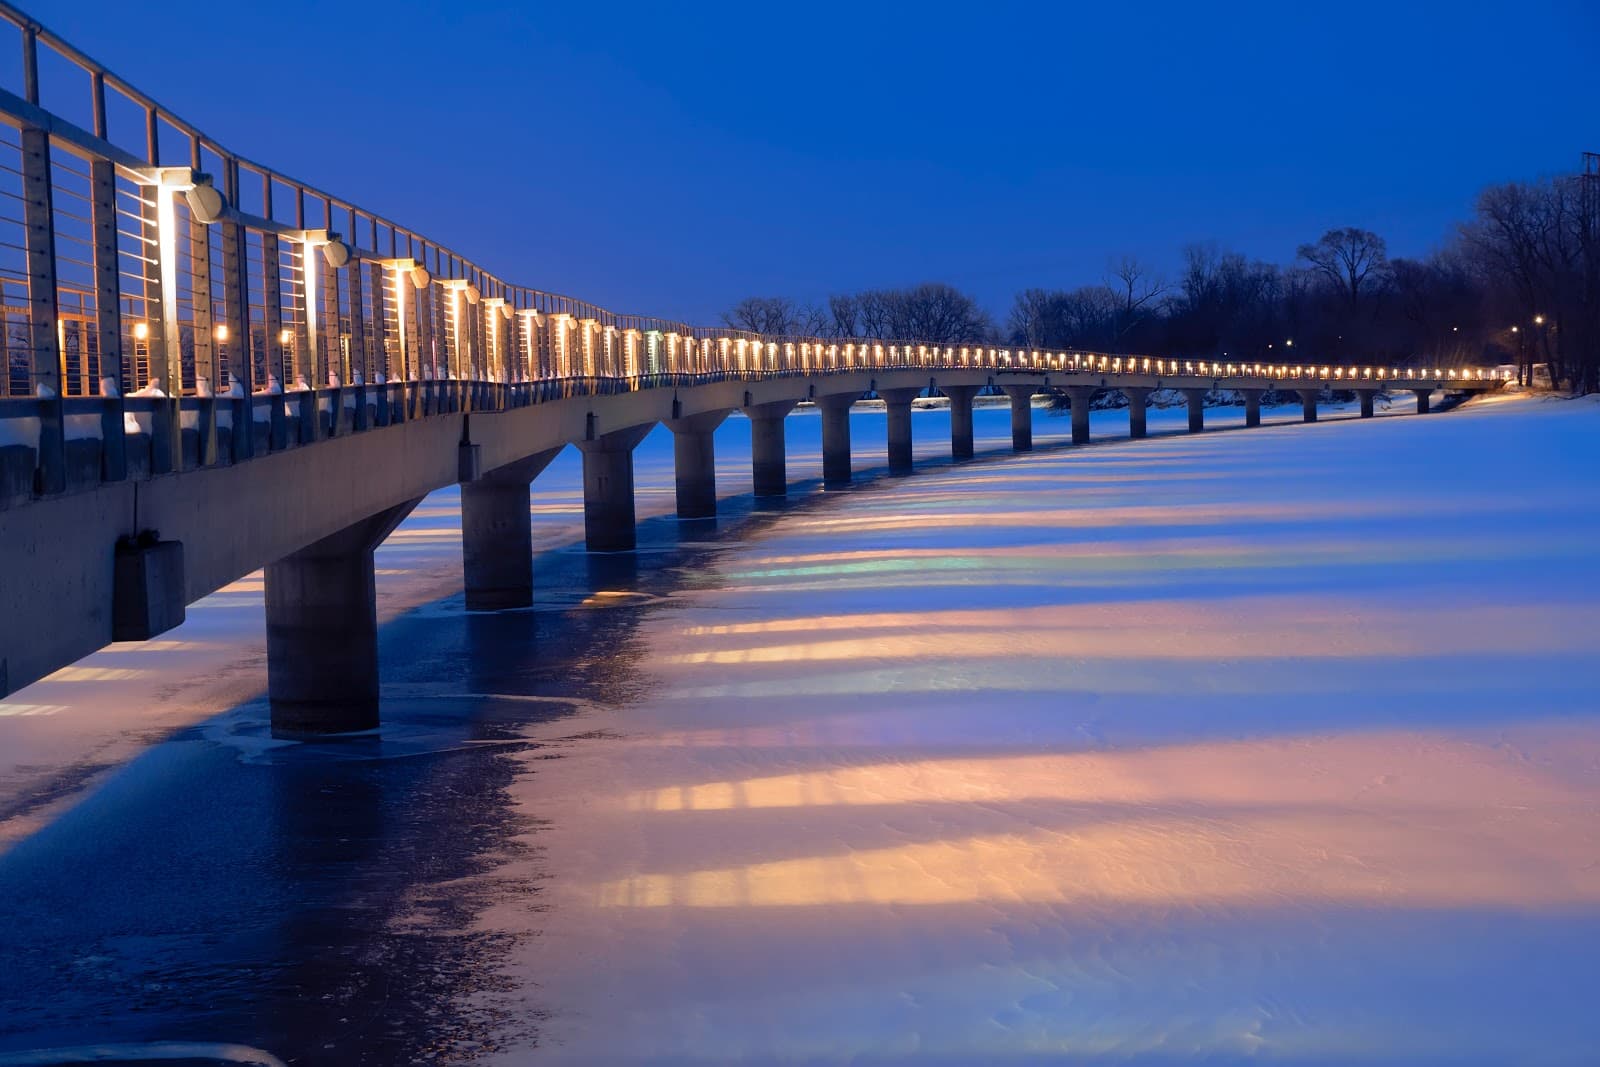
[1517,283]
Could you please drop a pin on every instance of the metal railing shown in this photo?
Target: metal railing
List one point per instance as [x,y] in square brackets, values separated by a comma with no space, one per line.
[155,284]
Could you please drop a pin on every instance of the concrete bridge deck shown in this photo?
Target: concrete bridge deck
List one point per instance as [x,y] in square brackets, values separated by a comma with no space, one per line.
[214,368]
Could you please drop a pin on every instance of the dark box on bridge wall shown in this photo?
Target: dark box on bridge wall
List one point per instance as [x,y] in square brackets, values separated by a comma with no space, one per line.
[147,594]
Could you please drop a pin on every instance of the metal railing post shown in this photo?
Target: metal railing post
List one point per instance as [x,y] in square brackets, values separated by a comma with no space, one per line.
[44,342]
[108,319]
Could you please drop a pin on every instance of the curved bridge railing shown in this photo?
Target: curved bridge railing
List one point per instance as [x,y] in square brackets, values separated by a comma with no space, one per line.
[155,283]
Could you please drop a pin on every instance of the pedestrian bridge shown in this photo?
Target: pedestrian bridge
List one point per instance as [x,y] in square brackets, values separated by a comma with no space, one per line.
[213,368]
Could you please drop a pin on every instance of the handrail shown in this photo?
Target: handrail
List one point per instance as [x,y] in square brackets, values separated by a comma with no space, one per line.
[124,274]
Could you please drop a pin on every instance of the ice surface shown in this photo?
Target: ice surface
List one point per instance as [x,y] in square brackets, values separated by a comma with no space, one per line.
[1274,745]
[1277,745]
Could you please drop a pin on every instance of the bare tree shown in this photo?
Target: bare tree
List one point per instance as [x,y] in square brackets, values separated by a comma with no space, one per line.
[776,316]
[1138,292]
[1348,258]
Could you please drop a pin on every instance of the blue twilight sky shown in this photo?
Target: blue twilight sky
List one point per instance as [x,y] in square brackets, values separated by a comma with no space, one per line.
[670,159]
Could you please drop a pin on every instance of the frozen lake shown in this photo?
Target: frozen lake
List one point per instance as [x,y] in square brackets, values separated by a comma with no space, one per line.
[1271,746]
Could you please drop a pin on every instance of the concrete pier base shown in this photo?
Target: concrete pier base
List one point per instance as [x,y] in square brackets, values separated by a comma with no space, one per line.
[1081,396]
[496,535]
[768,467]
[960,418]
[1138,410]
[695,463]
[1366,396]
[322,631]
[836,437]
[1308,403]
[1021,417]
[1252,406]
[1197,408]
[898,402]
[608,521]
[1424,400]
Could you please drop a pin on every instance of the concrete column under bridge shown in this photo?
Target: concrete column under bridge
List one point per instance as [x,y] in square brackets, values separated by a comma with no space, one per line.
[695,463]
[960,419]
[836,438]
[768,453]
[1197,408]
[898,403]
[1252,406]
[1081,396]
[1366,395]
[1424,400]
[1021,417]
[497,536]
[1138,410]
[608,519]
[1308,403]
[322,631]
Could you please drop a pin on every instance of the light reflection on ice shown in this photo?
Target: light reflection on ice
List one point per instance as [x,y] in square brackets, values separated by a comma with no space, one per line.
[1143,753]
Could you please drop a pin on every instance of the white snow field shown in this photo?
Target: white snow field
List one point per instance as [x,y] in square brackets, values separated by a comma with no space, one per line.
[1277,745]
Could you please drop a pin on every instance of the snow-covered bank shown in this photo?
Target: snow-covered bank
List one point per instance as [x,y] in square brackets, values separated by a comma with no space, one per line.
[1277,745]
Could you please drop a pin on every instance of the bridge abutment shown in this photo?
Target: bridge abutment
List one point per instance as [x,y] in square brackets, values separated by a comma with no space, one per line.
[898,402]
[960,418]
[322,631]
[1196,399]
[836,437]
[1308,403]
[1021,417]
[768,459]
[694,460]
[608,519]
[497,536]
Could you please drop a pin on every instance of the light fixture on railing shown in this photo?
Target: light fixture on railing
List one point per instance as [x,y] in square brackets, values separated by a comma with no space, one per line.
[206,204]
[335,251]
[221,331]
[141,331]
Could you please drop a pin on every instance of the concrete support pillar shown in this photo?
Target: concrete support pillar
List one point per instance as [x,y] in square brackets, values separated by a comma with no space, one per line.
[1021,417]
[768,468]
[322,631]
[1366,396]
[1252,406]
[1308,403]
[695,461]
[1082,396]
[608,522]
[1197,408]
[836,437]
[960,418]
[1424,397]
[496,537]
[898,402]
[1138,398]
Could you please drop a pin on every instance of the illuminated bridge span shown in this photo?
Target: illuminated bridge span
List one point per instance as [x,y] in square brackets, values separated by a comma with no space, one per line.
[272,377]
